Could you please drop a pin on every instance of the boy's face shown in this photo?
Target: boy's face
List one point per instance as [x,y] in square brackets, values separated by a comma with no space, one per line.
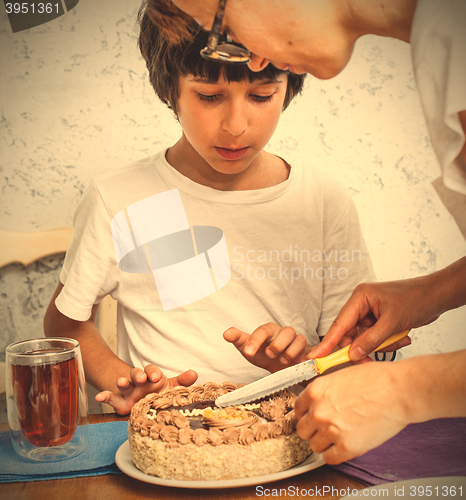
[229,124]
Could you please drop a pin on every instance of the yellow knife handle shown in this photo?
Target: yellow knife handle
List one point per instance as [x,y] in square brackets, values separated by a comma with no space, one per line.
[342,356]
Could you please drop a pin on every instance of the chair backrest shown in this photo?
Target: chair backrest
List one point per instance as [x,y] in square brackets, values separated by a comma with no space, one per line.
[26,248]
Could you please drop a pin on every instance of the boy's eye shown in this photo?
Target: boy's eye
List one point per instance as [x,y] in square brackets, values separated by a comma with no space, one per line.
[209,98]
[262,98]
[215,97]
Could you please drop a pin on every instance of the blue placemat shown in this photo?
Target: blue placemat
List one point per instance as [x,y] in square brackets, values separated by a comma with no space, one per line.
[98,458]
[430,449]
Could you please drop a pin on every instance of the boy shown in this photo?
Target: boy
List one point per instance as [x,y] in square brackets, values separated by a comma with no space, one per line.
[206,235]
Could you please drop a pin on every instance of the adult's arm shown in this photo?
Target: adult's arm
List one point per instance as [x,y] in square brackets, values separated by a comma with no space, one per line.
[394,306]
[391,307]
[351,411]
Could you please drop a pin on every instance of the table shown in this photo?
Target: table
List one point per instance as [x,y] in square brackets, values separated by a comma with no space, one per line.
[121,486]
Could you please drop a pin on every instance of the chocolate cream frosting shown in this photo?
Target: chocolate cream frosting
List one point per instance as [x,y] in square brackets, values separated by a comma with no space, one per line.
[155,416]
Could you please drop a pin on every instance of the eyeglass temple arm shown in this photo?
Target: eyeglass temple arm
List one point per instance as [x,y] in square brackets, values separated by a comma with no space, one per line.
[212,41]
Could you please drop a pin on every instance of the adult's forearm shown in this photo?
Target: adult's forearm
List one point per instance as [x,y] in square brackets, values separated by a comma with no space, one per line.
[448,286]
[434,386]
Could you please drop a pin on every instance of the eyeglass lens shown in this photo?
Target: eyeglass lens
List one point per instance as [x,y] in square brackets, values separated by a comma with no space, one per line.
[225,51]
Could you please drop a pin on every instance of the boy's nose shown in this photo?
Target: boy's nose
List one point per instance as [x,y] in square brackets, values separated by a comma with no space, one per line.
[235,120]
[257,63]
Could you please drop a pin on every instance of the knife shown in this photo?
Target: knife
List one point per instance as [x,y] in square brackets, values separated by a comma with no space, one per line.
[293,375]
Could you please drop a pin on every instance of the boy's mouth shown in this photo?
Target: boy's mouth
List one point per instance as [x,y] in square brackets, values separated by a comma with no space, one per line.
[231,154]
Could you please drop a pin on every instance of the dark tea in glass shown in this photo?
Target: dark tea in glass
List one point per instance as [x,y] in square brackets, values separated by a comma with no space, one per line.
[46,398]
[47,401]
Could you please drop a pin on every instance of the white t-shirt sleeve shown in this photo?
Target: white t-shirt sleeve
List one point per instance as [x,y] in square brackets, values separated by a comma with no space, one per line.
[438,44]
[90,271]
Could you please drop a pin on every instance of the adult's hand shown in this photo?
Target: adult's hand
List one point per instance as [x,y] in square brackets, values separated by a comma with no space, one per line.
[379,310]
[348,412]
[382,309]
[141,383]
[353,410]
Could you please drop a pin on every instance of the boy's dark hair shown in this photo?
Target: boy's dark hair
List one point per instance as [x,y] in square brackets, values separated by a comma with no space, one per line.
[167,61]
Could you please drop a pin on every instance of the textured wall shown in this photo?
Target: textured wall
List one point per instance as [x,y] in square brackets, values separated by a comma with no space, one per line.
[75,100]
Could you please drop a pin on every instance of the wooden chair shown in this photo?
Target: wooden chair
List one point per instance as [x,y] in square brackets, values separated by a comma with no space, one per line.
[26,248]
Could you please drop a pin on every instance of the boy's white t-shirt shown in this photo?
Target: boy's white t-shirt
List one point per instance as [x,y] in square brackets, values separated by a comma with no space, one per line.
[438,45]
[295,250]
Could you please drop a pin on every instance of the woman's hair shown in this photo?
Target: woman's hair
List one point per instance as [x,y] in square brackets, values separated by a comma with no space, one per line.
[168,17]
[167,60]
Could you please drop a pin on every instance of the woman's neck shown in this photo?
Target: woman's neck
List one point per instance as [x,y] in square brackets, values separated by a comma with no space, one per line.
[390,18]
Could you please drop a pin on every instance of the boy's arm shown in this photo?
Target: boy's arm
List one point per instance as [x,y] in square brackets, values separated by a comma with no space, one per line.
[101,365]
[122,385]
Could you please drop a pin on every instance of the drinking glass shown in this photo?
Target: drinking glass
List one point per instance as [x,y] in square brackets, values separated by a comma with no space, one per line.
[46,399]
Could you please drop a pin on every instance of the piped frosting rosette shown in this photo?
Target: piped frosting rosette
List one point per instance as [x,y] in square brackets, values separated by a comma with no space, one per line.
[160,417]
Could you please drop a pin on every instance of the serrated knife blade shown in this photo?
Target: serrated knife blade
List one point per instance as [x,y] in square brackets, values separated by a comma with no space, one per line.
[293,375]
[270,384]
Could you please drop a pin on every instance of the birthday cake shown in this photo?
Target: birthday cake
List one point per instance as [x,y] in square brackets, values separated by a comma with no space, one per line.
[180,434]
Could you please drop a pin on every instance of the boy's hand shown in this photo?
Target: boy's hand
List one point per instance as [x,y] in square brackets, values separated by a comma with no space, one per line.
[270,346]
[141,383]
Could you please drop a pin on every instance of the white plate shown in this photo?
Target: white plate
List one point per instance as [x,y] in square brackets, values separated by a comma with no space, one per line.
[126,465]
